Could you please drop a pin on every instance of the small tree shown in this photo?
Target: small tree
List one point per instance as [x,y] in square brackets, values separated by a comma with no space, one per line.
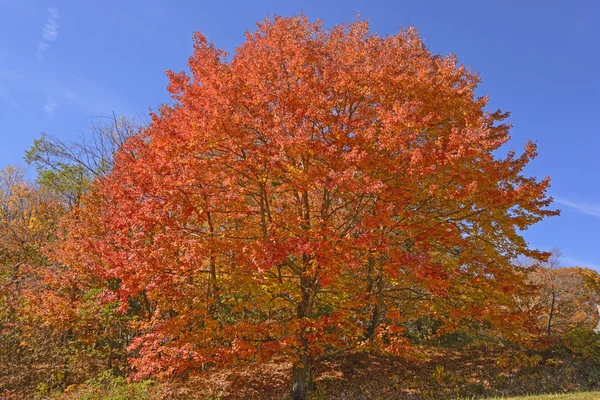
[68,168]
[27,221]
[566,297]
[56,327]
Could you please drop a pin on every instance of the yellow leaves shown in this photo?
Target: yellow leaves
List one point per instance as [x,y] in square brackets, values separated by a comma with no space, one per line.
[298,176]
[26,217]
[34,223]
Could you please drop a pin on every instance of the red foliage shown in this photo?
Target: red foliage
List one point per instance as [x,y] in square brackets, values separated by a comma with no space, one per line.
[312,192]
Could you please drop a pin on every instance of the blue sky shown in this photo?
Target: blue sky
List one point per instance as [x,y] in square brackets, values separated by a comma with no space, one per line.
[64,61]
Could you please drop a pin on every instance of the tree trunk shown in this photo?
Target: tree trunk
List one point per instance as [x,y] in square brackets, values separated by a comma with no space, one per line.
[302,382]
[377,308]
[302,379]
[549,327]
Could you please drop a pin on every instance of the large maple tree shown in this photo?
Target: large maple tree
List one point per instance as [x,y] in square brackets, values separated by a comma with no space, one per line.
[310,193]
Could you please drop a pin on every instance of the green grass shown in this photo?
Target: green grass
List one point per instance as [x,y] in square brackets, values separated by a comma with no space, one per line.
[569,396]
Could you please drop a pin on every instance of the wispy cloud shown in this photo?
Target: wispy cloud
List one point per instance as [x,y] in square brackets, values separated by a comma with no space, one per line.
[6,97]
[50,106]
[83,94]
[574,262]
[49,33]
[587,208]
[75,98]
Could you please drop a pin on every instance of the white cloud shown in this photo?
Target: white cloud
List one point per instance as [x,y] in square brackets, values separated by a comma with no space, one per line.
[49,33]
[50,106]
[586,208]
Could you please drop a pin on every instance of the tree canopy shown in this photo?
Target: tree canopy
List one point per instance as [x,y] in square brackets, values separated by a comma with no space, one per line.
[312,192]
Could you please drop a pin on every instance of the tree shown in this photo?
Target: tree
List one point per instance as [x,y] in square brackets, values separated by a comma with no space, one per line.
[307,195]
[68,168]
[56,325]
[27,221]
[73,297]
[566,297]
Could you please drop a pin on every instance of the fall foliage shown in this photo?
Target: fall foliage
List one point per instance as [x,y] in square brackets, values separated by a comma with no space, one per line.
[311,193]
[55,327]
[321,191]
[565,298]
[27,220]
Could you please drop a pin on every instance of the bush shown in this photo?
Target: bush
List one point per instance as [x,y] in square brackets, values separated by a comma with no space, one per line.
[109,387]
[584,343]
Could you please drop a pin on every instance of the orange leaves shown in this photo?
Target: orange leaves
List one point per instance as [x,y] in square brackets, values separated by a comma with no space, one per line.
[319,189]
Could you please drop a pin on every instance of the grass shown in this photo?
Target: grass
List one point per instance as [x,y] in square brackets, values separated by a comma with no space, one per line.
[568,396]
